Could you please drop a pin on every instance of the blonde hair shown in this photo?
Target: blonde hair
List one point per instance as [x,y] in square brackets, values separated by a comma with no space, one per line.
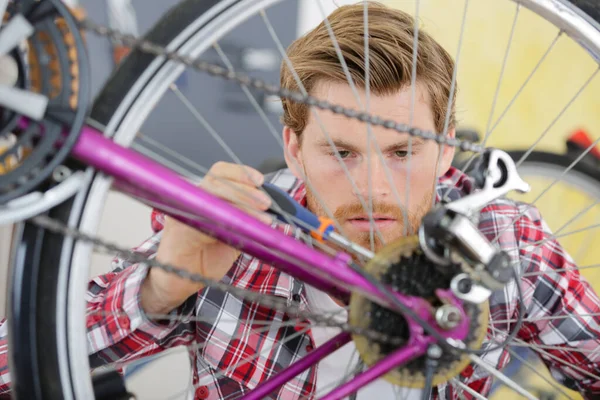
[391,38]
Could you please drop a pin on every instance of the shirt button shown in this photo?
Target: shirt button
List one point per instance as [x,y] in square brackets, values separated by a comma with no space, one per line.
[202,392]
[124,322]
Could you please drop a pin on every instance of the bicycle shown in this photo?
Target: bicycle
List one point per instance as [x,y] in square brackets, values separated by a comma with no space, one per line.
[70,162]
[539,169]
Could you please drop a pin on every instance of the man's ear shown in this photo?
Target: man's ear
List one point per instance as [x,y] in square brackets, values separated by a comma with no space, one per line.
[291,151]
[448,154]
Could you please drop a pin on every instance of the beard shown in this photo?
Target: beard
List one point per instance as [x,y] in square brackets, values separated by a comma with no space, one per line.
[411,219]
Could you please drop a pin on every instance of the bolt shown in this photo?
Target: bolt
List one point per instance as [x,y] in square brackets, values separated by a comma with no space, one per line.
[434,351]
[447,316]
[61,173]
[465,285]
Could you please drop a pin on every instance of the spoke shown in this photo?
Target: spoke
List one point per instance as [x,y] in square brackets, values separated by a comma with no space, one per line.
[298,234]
[264,351]
[370,138]
[195,346]
[558,179]
[303,91]
[535,245]
[527,364]
[501,77]
[166,162]
[220,374]
[576,216]
[560,114]
[274,133]
[537,66]
[488,131]
[450,102]
[407,392]
[196,113]
[369,131]
[354,367]
[250,97]
[575,268]
[500,376]
[549,318]
[472,158]
[467,389]
[556,235]
[205,172]
[386,169]
[560,360]
[586,244]
[550,347]
[413,95]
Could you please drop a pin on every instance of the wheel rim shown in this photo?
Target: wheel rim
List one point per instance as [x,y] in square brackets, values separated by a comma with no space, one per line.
[124,125]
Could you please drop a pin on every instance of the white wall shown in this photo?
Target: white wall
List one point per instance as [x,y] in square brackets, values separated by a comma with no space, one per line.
[310,14]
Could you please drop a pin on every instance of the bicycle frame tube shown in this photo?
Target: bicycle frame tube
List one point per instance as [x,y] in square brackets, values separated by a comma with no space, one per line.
[141,177]
[148,179]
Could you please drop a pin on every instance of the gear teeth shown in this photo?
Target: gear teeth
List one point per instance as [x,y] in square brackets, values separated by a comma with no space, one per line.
[407,269]
[55,82]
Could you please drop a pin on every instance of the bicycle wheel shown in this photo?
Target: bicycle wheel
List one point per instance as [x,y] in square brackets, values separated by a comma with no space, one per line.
[579,188]
[53,267]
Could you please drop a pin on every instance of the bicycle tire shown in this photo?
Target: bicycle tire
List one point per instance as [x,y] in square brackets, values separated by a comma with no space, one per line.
[543,158]
[591,8]
[41,273]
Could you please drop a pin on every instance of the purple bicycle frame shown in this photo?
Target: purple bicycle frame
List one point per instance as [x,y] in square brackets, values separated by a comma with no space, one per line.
[137,175]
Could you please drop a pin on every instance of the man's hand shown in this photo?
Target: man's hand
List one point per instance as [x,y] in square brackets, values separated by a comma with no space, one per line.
[186,248]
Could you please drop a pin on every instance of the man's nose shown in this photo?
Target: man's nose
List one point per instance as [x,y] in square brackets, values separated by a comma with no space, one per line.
[372,178]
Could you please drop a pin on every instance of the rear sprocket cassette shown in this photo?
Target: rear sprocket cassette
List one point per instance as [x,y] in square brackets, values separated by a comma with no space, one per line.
[403,266]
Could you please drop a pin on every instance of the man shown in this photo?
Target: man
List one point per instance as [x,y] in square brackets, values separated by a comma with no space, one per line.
[235,351]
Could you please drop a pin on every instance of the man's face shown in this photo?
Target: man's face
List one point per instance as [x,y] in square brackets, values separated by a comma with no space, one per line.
[386,162]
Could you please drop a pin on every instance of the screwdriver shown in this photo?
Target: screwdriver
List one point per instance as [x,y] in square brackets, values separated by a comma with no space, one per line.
[319,228]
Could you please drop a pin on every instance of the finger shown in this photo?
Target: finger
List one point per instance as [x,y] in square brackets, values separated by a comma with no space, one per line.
[236,173]
[259,215]
[241,195]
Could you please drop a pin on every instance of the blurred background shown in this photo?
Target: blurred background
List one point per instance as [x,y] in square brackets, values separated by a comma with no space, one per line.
[539,109]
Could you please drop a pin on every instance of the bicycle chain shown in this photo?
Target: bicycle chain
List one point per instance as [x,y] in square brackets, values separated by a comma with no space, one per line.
[269,301]
[244,80]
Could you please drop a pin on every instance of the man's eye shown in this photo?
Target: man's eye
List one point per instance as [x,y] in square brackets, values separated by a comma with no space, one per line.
[344,153]
[401,153]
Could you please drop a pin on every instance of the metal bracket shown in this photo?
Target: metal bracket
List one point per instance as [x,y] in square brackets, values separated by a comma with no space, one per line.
[451,227]
[500,177]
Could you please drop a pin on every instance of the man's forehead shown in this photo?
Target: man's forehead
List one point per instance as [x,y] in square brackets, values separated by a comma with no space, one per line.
[396,107]
[356,95]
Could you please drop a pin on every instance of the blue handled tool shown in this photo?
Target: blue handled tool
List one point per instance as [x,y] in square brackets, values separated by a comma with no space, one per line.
[319,228]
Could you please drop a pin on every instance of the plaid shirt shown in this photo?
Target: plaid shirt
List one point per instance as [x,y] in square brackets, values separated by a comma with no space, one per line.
[230,330]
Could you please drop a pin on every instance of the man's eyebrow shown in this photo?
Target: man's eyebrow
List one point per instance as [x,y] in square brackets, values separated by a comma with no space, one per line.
[346,145]
[337,143]
[403,143]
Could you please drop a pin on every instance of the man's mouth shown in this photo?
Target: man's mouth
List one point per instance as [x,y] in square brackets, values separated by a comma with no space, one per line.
[363,222]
